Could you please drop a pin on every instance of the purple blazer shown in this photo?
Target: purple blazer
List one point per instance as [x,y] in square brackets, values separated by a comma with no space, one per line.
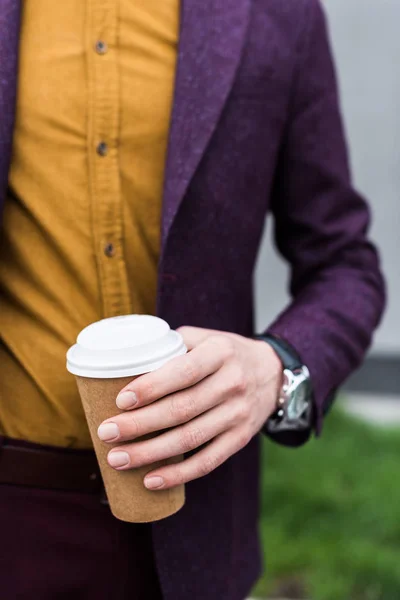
[255,129]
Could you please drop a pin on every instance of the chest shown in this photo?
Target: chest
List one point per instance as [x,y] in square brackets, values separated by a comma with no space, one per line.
[119,54]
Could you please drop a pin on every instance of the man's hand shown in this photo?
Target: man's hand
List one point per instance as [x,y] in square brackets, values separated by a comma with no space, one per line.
[219,395]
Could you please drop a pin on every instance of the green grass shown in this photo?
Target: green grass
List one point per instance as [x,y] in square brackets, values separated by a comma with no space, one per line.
[330,520]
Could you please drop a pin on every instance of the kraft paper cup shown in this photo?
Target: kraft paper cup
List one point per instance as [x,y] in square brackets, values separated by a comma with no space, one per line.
[108,355]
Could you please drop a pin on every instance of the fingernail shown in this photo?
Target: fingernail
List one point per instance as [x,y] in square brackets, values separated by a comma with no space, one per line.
[152,483]
[118,459]
[126,400]
[108,432]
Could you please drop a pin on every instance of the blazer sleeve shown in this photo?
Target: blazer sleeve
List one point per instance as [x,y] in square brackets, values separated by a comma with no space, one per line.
[321,227]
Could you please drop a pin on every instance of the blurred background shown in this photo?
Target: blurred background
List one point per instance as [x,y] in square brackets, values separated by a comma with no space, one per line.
[331,511]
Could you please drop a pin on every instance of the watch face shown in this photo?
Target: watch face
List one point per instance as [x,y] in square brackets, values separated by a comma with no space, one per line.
[298,401]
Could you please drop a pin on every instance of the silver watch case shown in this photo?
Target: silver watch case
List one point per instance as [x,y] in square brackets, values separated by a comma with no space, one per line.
[294,398]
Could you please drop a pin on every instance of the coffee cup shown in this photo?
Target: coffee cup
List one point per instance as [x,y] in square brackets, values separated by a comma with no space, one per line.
[109,354]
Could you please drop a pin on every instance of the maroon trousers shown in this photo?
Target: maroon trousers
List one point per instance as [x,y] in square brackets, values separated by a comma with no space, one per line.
[66,545]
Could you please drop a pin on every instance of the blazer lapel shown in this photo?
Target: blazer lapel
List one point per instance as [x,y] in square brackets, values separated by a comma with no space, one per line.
[211,40]
[9,37]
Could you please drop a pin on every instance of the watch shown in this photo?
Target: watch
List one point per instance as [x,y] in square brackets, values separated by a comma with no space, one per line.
[294,406]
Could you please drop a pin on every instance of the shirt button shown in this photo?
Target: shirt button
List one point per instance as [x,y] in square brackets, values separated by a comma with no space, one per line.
[102,149]
[109,250]
[101,47]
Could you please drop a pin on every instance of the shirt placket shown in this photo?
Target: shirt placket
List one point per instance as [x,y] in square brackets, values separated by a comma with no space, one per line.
[102,146]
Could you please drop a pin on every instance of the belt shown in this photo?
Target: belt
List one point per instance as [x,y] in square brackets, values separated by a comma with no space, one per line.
[47,467]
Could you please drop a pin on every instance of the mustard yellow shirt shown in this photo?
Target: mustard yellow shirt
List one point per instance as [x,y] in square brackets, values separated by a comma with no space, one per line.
[81,229]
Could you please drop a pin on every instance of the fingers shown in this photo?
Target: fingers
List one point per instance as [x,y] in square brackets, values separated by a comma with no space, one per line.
[200,464]
[180,440]
[171,411]
[174,410]
[179,373]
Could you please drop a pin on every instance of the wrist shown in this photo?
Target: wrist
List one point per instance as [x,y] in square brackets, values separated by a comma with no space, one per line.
[270,369]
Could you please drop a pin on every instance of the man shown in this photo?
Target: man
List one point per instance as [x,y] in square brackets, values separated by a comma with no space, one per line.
[141,151]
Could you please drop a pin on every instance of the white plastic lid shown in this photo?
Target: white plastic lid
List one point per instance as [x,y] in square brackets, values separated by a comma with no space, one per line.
[123,346]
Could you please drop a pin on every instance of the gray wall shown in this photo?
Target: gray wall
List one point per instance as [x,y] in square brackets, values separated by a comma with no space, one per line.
[366,44]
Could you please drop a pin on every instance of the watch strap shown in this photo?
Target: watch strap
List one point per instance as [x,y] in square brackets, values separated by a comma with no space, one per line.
[289,357]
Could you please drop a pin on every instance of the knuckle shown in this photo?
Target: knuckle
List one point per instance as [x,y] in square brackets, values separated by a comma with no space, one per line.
[134,426]
[145,390]
[244,437]
[241,412]
[238,382]
[224,343]
[176,476]
[191,437]
[140,459]
[189,370]
[229,347]
[183,408]
[215,338]
[208,464]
